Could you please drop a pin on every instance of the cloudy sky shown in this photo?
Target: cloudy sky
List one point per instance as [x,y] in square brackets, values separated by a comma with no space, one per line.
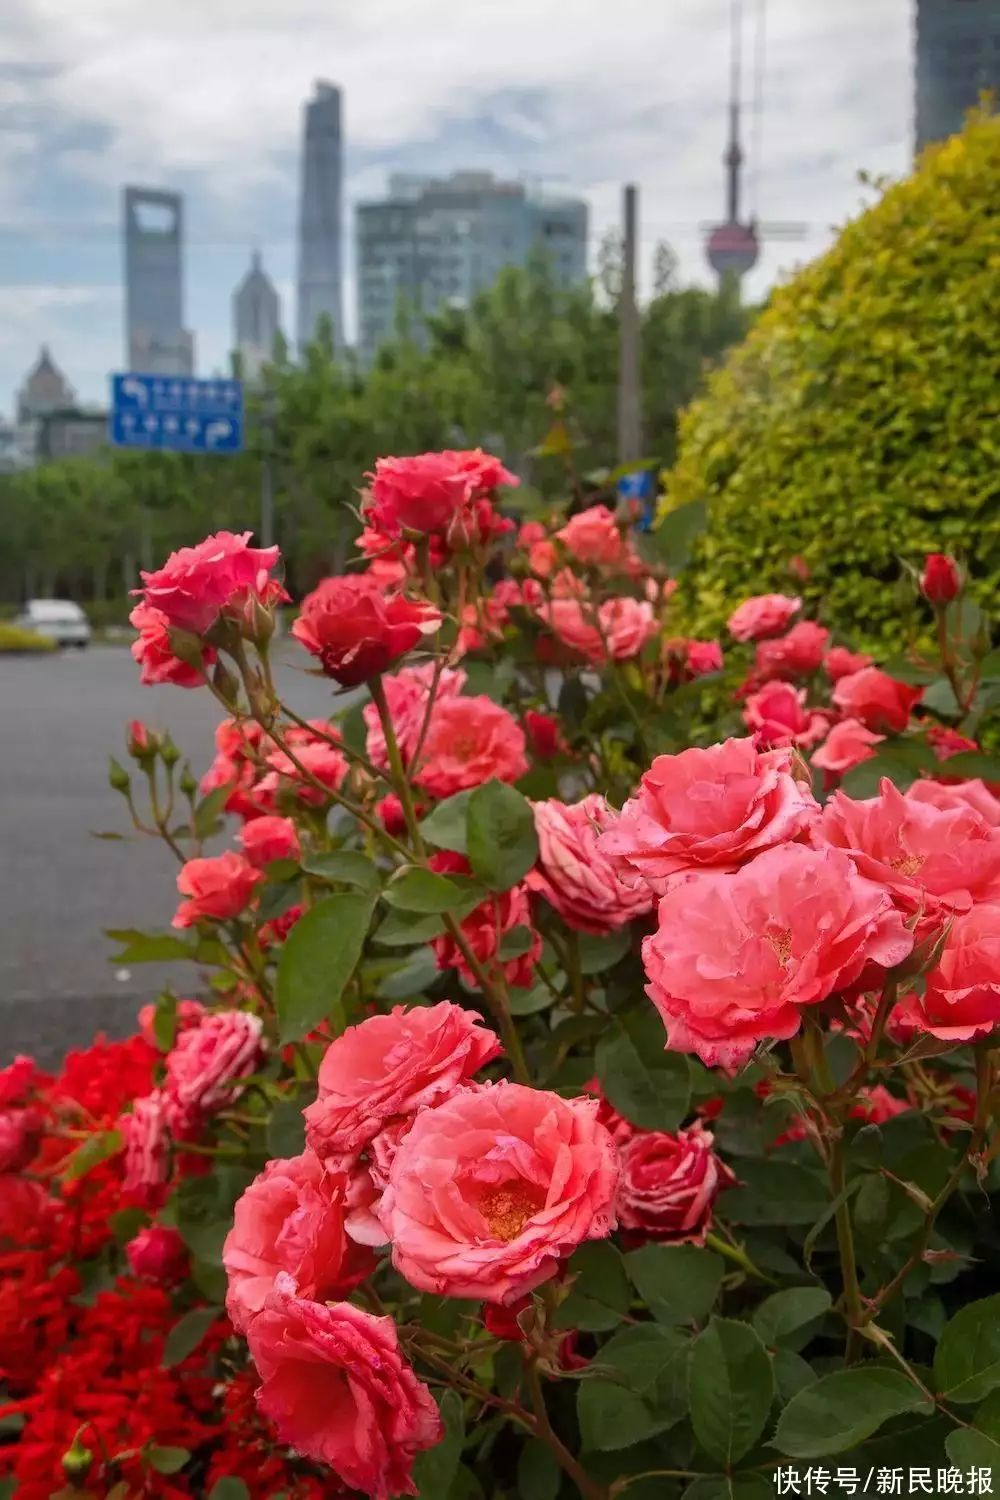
[205,96]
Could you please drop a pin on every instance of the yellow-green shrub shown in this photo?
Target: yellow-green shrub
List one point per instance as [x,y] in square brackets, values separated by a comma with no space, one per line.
[860,420]
[13,638]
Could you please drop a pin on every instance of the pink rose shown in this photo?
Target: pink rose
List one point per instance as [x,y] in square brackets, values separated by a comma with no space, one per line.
[393,1065]
[218,888]
[154,654]
[847,745]
[470,741]
[17,1080]
[530,532]
[222,573]
[491,1190]
[543,559]
[928,857]
[157,1254]
[714,808]
[669,1185]
[876,1105]
[484,930]
[876,699]
[425,494]
[245,800]
[839,662]
[207,1064]
[20,1134]
[973,793]
[592,536]
[407,693]
[625,627]
[356,630]
[188,1013]
[300,770]
[575,877]
[291,1218]
[701,658]
[793,655]
[338,1390]
[369,1179]
[946,742]
[764,615]
[779,717]
[575,625]
[268,839]
[147,1147]
[736,957]
[961,998]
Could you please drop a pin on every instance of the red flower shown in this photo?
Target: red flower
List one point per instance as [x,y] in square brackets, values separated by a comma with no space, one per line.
[357,631]
[485,928]
[155,655]
[879,701]
[941,580]
[424,494]
[544,735]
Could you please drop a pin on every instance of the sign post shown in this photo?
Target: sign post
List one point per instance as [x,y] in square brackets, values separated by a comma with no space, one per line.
[176,414]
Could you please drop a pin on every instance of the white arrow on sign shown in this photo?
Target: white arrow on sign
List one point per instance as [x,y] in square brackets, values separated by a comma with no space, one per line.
[151,423]
[171,424]
[216,432]
[135,389]
[192,426]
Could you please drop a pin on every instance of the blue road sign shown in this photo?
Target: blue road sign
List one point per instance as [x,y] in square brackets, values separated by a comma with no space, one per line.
[176,413]
[639,485]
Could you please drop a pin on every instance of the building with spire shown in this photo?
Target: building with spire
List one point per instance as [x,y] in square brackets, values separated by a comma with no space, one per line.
[320,269]
[45,390]
[256,318]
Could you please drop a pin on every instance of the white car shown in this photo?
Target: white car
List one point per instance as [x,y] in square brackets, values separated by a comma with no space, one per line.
[60,619]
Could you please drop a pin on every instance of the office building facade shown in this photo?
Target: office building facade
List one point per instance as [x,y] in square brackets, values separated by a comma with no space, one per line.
[320,268]
[157,343]
[957,59]
[256,319]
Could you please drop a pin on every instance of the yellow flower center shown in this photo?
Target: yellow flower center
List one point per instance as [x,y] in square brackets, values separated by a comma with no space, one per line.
[507,1209]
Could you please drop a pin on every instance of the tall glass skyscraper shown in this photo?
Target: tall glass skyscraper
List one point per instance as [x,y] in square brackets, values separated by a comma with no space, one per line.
[157,341]
[958,58]
[321,219]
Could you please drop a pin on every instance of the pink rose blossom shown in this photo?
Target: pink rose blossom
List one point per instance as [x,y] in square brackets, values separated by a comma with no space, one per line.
[485,928]
[20,1134]
[700,659]
[158,1255]
[299,770]
[973,793]
[187,1013]
[222,573]
[575,877]
[425,494]
[17,1080]
[491,1190]
[839,662]
[291,1218]
[207,1064]
[929,857]
[147,1147]
[625,627]
[714,808]
[155,656]
[357,630]
[592,536]
[764,615]
[847,745]
[961,998]
[669,1185]
[339,1391]
[393,1065]
[407,693]
[470,741]
[218,888]
[779,717]
[735,958]
[879,701]
[575,626]
[369,1179]
[268,839]
[876,1105]
[946,742]
[796,654]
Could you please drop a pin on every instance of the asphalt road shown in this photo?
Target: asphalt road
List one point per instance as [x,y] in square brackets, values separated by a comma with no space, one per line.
[60,719]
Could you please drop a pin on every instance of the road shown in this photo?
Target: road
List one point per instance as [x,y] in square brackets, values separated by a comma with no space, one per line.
[60,719]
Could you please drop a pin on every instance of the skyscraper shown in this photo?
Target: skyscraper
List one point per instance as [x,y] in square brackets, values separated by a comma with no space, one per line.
[320,219]
[957,59]
[256,318]
[437,243]
[157,341]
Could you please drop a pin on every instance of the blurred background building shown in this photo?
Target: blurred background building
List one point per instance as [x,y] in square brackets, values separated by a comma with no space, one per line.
[157,342]
[256,319]
[320,274]
[957,59]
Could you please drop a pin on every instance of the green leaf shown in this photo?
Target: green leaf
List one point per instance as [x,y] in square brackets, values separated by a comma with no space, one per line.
[411,978]
[612,1417]
[502,842]
[573,702]
[973,763]
[600,1292]
[730,1487]
[405,929]
[967,1358]
[435,1469]
[650,1397]
[940,698]
[167,1460]
[650,1087]
[792,1374]
[967,1448]
[186,1334]
[286,1128]
[776,1192]
[211,1281]
[318,958]
[600,953]
[841,1410]
[98,1148]
[444,827]
[344,867]
[229,1488]
[147,947]
[516,943]
[678,1282]
[203,1210]
[538,1473]
[731,1386]
[530,1002]
[165,1020]
[209,810]
[676,533]
[646,1353]
[424,891]
[126,1223]
[786,1313]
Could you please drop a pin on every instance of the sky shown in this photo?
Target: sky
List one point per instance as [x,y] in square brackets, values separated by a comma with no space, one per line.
[205,97]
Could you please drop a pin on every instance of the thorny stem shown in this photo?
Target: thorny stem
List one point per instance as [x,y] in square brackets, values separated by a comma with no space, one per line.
[885,1005]
[587,1486]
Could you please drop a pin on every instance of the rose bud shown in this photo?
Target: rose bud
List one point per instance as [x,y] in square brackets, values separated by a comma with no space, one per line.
[941,580]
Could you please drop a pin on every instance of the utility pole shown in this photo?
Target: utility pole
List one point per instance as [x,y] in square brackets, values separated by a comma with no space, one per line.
[629,393]
[267,465]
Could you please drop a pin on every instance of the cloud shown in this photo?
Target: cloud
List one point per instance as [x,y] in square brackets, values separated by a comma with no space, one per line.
[206,95]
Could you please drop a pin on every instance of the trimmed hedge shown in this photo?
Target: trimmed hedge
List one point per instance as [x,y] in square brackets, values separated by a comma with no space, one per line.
[860,420]
[15,640]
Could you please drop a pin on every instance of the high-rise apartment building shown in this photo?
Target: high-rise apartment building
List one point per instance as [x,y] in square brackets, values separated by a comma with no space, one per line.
[157,342]
[435,243]
[957,59]
[321,219]
[256,318]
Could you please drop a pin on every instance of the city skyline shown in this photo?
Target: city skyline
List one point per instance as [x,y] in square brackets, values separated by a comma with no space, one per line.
[319,291]
[583,110]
